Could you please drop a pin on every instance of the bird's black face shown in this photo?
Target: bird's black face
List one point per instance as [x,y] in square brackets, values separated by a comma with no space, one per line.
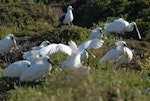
[100,30]
[12,38]
[125,45]
[29,65]
[48,43]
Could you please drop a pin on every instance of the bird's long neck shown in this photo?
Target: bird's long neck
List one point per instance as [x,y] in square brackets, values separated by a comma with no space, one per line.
[130,26]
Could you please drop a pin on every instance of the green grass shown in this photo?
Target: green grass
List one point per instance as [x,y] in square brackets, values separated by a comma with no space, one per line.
[101,85]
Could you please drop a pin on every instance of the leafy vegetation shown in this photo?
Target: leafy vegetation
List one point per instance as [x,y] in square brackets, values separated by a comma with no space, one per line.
[33,21]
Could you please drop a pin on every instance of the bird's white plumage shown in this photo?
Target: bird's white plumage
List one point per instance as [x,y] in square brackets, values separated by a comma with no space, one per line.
[96,33]
[33,58]
[37,71]
[127,56]
[54,48]
[120,54]
[7,43]
[113,56]
[74,60]
[43,44]
[73,45]
[16,69]
[121,26]
[95,43]
[35,50]
[69,16]
[30,53]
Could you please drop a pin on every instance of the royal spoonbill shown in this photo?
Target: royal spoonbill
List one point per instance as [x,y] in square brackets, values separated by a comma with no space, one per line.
[68,18]
[121,54]
[16,69]
[121,26]
[38,70]
[74,61]
[6,45]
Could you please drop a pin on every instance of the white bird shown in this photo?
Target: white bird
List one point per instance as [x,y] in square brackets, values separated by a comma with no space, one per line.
[121,26]
[69,16]
[74,61]
[43,44]
[7,44]
[38,70]
[121,54]
[16,69]
[84,55]
[96,33]
[35,50]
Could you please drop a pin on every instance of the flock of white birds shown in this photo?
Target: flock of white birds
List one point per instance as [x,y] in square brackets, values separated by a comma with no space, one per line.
[37,61]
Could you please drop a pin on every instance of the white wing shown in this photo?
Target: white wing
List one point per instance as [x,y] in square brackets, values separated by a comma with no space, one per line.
[95,43]
[64,48]
[54,48]
[112,55]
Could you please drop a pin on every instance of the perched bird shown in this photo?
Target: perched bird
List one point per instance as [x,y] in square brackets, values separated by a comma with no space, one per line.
[68,18]
[96,33]
[16,69]
[121,54]
[121,26]
[74,61]
[38,70]
[6,45]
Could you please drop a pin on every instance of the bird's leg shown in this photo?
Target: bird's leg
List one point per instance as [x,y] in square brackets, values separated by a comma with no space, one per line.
[6,59]
[19,83]
[71,23]
[9,60]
